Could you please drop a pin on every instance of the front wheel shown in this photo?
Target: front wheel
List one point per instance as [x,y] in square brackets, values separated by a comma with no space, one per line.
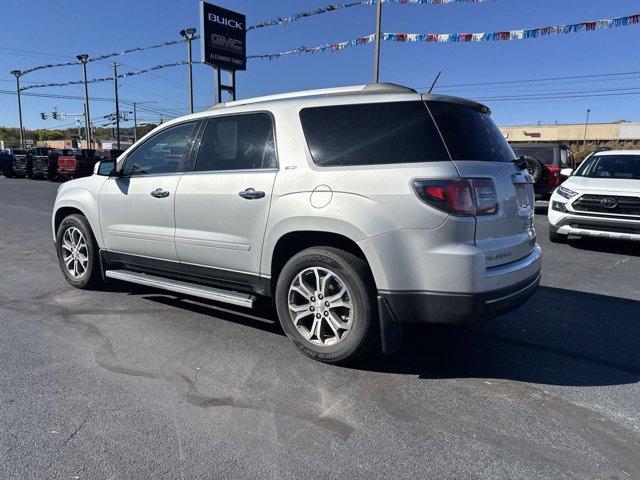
[78,252]
[325,299]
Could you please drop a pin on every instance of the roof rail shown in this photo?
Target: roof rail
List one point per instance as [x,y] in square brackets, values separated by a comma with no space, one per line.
[350,90]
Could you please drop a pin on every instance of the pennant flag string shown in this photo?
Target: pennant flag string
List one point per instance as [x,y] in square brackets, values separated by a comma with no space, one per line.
[340,6]
[110,79]
[400,37]
[106,56]
[463,37]
[265,23]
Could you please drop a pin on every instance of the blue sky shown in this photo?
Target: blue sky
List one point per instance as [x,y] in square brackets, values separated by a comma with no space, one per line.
[43,31]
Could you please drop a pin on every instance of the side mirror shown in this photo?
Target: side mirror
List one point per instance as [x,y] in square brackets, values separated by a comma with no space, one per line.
[106,168]
[566,172]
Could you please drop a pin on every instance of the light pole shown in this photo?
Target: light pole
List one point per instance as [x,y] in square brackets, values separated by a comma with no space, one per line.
[135,119]
[586,126]
[17,74]
[376,61]
[188,34]
[115,80]
[84,58]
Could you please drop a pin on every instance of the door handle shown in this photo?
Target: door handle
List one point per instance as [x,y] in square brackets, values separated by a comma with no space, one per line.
[252,194]
[159,193]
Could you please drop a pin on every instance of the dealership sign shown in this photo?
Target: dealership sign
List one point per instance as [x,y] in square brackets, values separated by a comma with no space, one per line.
[224,35]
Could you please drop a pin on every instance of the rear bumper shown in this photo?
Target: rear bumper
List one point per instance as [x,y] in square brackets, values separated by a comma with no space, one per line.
[458,308]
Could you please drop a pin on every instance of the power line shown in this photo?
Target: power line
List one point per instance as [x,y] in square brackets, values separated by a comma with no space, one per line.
[530,80]
[557,97]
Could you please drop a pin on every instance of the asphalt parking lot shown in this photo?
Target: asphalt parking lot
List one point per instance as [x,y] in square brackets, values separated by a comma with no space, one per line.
[130,383]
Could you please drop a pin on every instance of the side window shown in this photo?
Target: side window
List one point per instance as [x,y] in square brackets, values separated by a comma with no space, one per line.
[237,142]
[372,134]
[162,153]
[564,158]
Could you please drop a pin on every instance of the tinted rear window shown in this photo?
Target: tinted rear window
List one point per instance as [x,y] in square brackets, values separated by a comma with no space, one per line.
[372,134]
[469,133]
[545,155]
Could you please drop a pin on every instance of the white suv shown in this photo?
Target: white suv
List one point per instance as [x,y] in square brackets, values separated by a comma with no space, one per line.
[356,209]
[601,199]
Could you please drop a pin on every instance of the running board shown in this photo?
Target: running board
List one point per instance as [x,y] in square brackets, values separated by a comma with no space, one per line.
[186,288]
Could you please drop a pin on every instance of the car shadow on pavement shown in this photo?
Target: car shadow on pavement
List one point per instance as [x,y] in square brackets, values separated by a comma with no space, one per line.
[560,337]
[619,247]
[262,317]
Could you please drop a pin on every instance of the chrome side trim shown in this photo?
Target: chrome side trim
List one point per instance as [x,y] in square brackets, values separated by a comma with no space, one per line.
[215,294]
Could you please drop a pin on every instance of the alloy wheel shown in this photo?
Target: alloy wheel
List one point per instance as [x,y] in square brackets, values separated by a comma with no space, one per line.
[75,254]
[320,306]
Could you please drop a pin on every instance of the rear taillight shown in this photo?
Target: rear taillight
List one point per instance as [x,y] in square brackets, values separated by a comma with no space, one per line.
[464,197]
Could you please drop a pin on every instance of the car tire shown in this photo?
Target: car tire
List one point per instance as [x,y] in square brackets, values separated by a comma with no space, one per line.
[555,237]
[75,241]
[350,328]
[534,167]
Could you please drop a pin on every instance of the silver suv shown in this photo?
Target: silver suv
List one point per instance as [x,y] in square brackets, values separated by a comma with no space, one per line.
[355,209]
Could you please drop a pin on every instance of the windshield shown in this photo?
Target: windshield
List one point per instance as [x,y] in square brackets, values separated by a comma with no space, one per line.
[469,133]
[545,155]
[611,166]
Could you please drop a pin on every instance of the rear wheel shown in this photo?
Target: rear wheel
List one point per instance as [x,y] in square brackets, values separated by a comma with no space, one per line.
[325,299]
[78,252]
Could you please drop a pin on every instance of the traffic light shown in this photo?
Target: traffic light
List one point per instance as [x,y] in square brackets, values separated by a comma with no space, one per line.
[54,114]
[43,116]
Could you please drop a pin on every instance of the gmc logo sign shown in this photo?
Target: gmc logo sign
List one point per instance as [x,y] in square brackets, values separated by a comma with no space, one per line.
[227,42]
[224,37]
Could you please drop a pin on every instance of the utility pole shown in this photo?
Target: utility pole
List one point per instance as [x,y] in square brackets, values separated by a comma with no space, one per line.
[17,74]
[84,58]
[135,119]
[135,123]
[188,34]
[376,61]
[586,126]
[115,79]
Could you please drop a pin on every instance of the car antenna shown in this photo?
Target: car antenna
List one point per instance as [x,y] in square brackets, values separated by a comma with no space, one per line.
[433,85]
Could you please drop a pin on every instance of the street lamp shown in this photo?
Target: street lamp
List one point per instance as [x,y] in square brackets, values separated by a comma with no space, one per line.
[586,126]
[189,34]
[17,74]
[84,58]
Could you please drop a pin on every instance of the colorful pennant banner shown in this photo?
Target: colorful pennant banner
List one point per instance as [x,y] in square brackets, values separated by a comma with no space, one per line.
[265,23]
[339,6]
[463,37]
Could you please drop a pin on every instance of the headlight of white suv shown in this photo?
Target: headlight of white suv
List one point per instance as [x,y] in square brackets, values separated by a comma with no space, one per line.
[566,193]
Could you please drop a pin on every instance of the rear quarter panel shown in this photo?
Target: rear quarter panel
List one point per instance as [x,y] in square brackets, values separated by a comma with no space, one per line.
[356,202]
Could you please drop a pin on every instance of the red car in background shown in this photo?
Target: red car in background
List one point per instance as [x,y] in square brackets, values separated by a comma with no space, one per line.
[544,162]
[77,164]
